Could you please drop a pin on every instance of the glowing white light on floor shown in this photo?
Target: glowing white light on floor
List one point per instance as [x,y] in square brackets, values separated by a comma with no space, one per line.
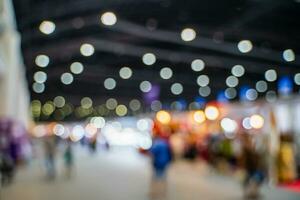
[47,27]
[145,86]
[176,88]
[288,55]
[38,87]
[261,86]
[198,65]
[166,73]
[188,34]
[42,60]
[256,121]
[66,78]
[40,77]
[238,70]
[149,59]
[245,46]
[110,83]
[203,80]
[76,68]
[59,101]
[232,81]
[204,91]
[125,72]
[87,49]
[108,18]
[271,75]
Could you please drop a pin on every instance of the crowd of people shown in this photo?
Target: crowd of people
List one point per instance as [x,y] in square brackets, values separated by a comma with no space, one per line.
[221,153]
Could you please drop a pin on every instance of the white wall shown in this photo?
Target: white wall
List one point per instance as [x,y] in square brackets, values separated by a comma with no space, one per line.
[14,95]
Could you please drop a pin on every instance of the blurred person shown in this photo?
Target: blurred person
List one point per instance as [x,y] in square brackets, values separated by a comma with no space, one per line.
[50,151]
[69,159]
[252,164]
[177,145]
[161,158]
[7,169]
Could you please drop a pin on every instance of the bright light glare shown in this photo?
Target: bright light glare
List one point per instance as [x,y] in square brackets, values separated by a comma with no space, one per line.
[42,60]
[108,18]
[211,112]
[40,77]
[166,73]
[245,46]
[289,55]
[246,123]
[87,49]
[47,27]
[176,88]
[238,70]
[121,110]
[149,59]
[66,78]
[98,122]
[271,75]
[125,72]
[199,116]
[76,68]
[198,65]
[145,86]
[58,129]
[163,117]
[144,124]
[77,133]
[256,121]
[229,125]
[188,34]
[110,83]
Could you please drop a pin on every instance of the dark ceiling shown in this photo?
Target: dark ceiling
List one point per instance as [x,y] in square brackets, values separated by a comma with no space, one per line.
[155,26]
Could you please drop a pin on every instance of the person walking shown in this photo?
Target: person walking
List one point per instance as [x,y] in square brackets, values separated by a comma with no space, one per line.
[161,158]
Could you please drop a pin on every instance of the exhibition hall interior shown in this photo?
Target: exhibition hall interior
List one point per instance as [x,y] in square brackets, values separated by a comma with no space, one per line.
[149,100]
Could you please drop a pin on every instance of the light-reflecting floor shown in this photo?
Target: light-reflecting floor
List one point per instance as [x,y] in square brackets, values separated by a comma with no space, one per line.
[125,175]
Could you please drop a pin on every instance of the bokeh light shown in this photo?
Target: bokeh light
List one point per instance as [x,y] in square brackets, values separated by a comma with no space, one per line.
[42,60]
[163,117]
[211,112]
[87,49]
[188,34]
[108,18]
[198,65]
[199,116]
[256,121]
[47,27]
